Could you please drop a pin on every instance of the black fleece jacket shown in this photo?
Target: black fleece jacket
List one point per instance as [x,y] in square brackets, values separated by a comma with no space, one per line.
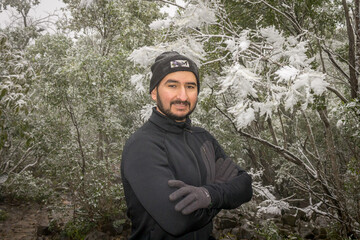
[163,149]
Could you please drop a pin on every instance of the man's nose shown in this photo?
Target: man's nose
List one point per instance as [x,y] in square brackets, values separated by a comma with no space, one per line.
[182,94]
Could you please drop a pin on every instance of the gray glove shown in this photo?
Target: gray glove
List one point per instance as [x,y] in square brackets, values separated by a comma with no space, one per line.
[225,170]
[190,198]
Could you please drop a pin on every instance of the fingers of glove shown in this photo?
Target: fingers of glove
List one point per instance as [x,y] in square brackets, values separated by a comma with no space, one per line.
[181,192]
[185,202]
[233,174]
[220,167]
[176,183]
[220,180]
[221,171]
[218,163]
[192,207]
[202,200]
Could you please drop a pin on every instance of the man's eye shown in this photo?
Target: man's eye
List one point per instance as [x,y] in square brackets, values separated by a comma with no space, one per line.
[172,86]
[191,87]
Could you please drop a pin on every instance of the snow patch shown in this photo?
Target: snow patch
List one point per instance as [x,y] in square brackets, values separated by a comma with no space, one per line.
[287,73]
[273,36]
[244,115]
[136,80]
[146,112]
[240,79]
[160,24]
[145,56]
[196,16]
[273,207]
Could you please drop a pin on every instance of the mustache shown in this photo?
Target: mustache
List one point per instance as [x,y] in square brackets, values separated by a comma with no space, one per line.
[186,103]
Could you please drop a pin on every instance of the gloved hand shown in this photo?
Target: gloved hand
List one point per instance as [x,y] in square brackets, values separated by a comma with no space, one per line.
[190,198]
[225,170]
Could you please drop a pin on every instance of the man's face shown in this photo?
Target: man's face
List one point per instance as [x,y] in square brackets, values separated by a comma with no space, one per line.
[176,95]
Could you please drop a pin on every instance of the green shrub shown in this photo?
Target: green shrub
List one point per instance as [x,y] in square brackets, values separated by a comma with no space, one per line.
[24,186]
[77,229]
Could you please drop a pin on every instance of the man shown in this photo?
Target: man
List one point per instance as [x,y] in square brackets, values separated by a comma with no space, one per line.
[176,177]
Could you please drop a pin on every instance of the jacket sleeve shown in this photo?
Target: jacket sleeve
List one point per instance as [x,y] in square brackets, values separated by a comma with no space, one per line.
[231,194]
[146,168]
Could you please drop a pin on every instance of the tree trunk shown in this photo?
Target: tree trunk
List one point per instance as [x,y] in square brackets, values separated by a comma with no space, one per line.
[330,145]
[357,34]
[352,49]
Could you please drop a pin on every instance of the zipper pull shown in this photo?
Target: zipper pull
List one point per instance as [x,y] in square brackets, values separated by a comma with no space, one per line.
[188,130]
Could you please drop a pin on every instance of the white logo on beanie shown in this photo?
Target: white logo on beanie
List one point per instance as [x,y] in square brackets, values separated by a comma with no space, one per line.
[179,63]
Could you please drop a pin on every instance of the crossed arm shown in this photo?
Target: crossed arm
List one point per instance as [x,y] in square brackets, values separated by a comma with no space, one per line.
[184,208]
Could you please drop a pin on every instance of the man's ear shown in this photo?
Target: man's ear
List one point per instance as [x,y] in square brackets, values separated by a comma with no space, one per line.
[154,94]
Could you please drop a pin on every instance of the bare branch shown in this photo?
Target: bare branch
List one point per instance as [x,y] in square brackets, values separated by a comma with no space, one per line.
[337,93]
[23,158]
[335,63]
[31,164]
[285,153]
[312,138]
[286,15]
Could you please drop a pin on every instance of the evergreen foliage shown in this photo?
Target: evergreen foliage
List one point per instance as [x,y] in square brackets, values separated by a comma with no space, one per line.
[280,91]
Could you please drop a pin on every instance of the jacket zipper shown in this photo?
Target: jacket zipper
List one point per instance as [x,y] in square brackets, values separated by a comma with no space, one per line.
[192,153]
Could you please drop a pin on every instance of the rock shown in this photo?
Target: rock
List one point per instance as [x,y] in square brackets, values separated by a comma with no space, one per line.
[235,231]
[289,211]
[246,231]
[285,230]
[323,233]
[226,231]
[306,230]
[322,221]
[216,234]
[300,214]
[309,236]
[320,233]
[288,219]
[43,231]
[225,223]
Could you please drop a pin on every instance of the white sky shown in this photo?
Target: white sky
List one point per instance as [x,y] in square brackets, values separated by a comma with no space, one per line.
[171,8]
[44,9]
[47,7]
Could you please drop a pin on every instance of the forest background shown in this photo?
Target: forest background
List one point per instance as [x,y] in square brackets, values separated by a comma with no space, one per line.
[279,90]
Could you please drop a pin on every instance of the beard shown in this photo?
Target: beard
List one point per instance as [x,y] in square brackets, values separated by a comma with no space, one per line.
[168,112]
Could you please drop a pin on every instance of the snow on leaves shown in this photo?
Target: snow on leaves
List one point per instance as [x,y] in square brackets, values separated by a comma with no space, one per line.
[136,80]
[145,56]
[302,85]
[238,45]
[265,69]
[273,37]
[160,24]
[195,16]
[287,73]
[241,79]
[289,79]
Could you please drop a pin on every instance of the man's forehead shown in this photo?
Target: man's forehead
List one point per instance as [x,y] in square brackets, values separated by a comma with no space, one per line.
[170,80]
[180,76]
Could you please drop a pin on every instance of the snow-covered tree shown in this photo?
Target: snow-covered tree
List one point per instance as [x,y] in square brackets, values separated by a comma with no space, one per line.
[18,152]
[282,85]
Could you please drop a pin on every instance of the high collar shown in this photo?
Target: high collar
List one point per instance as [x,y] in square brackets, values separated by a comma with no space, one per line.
[168,124]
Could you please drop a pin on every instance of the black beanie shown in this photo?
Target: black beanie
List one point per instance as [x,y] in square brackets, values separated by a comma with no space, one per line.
[169,62]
